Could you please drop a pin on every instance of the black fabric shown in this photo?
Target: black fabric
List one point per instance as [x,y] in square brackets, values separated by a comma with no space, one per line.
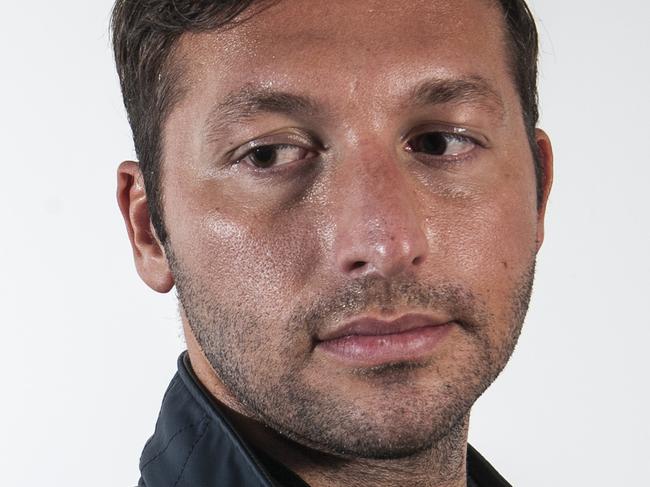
[194,445]
[280,474]
[481,472]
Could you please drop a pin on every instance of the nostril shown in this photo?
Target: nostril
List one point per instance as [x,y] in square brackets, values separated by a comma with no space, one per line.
[417,260]
[357,265]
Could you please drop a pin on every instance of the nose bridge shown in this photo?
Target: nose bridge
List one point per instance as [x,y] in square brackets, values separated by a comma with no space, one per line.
[379,226]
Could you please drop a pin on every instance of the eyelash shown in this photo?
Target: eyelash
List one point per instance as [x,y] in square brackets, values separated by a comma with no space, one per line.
[449,137]
[276,148]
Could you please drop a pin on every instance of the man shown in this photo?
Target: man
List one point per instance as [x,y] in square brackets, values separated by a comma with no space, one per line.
[348,197]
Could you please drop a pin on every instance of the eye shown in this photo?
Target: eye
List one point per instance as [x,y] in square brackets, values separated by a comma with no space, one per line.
[267,156]
[441,144]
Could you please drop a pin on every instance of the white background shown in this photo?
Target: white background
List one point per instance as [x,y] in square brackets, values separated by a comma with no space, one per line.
[87,350]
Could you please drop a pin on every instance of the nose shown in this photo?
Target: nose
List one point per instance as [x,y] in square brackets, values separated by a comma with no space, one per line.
[379,226]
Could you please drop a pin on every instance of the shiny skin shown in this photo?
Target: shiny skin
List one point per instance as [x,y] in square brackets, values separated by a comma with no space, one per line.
[360,225]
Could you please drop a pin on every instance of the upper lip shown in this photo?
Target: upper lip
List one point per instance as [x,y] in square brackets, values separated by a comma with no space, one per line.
[370,326]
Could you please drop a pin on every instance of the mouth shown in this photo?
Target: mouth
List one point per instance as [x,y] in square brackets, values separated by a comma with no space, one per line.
[369,342]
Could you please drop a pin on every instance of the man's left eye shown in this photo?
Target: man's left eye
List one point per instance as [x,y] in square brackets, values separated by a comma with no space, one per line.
[267,156]
[441,144]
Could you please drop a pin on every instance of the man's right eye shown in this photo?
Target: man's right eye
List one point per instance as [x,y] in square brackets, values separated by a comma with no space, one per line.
[274,155]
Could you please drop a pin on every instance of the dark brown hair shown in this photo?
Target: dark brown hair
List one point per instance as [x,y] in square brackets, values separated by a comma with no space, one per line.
[145,33]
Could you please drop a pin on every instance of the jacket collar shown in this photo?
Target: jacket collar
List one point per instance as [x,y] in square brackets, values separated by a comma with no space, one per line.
[194,444]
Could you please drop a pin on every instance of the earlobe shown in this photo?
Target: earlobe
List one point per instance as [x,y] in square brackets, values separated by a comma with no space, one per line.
[148,252]
[545,151]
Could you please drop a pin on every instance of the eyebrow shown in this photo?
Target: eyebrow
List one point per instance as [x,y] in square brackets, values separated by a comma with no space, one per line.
[473,90]
[250,101]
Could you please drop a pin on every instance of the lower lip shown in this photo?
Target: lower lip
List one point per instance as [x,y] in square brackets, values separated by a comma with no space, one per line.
[373,350]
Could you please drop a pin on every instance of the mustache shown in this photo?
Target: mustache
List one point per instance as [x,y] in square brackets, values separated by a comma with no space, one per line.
[387,297]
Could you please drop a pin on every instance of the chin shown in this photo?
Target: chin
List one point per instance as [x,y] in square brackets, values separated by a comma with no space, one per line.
[399,422]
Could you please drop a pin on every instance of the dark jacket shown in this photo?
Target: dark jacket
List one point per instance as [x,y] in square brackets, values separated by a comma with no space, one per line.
[191,430]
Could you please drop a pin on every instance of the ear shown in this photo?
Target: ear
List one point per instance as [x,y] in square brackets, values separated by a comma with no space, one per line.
[148,252]
[546,160]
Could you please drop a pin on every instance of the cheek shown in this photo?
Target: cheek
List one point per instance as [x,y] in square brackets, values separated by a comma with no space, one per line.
[254,259]
[489,244]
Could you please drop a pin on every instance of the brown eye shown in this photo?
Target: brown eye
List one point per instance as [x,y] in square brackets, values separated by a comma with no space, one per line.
[441,144]
[267,156]
[263,156]
[433,143]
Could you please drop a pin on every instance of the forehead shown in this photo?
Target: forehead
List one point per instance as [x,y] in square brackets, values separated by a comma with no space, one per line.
[343,47]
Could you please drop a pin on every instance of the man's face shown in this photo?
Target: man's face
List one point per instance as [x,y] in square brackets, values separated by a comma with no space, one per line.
[352,163]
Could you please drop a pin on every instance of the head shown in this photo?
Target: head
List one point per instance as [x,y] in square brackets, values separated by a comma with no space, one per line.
[307,164]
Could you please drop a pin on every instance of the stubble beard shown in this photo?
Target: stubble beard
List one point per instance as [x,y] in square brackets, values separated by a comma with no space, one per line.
[405,419]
